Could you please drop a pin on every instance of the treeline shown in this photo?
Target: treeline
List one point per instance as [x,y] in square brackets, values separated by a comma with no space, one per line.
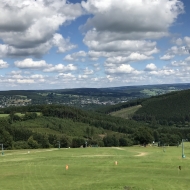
[17,92]
[92,118]
[72,127]
[112,131]
[21,109]
[169,109]
[77,115]
[21,136]
[22,132]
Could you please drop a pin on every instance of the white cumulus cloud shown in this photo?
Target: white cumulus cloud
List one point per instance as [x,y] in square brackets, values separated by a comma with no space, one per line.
[30,64]
[88,71]
[131,29]
[62,44]
[26,25]
[61,68]
[122,69]
[150,67]
[132,16]
[131,58]
[75,56]
[3,64]
[167,57]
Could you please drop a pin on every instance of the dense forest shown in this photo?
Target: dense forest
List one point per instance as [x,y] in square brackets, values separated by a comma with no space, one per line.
[44,126]
[164,119]
[171,109]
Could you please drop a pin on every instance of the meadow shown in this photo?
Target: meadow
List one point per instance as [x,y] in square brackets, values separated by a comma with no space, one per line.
[4,115]
[138,168]
[126,113]
[19,114]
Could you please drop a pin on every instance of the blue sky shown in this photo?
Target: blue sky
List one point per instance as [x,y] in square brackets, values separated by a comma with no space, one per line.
[56,44]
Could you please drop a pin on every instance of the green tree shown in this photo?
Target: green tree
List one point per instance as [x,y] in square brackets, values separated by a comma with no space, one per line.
[125,142]
[88,132]
[188,136]
[144,136]
[30,115]
[92,132]
[65,142]
[77,142]
[110,141]
[32,143]
[156,136]
[53,140]
[5,136]
[45,141]
[11,116]
[6,139]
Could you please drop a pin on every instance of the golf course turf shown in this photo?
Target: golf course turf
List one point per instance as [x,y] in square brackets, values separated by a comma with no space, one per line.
[137,168]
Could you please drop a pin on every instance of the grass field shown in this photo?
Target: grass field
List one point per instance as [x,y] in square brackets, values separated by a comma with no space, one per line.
[19,114]
[139,168]
[126,112]
[22,114]
[4,115]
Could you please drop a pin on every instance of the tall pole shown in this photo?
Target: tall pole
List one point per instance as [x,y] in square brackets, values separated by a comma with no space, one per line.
[183,155]
[59,144]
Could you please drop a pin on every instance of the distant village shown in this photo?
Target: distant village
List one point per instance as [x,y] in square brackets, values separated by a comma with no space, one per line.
[7,101]
[84,98]
[81,101]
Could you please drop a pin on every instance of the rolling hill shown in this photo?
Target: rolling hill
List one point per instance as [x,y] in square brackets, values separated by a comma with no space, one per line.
[164,119]
[68,125]
[168,109]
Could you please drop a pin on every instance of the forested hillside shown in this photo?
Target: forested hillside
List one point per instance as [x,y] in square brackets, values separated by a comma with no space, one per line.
[167,116]
[72,127]
[170,109]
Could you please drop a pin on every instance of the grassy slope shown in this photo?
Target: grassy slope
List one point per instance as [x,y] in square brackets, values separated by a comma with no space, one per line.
[19,114]
[4,115]
[94,168]
[126,113]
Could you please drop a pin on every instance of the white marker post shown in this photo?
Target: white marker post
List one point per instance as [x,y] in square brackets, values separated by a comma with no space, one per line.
[183,155]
